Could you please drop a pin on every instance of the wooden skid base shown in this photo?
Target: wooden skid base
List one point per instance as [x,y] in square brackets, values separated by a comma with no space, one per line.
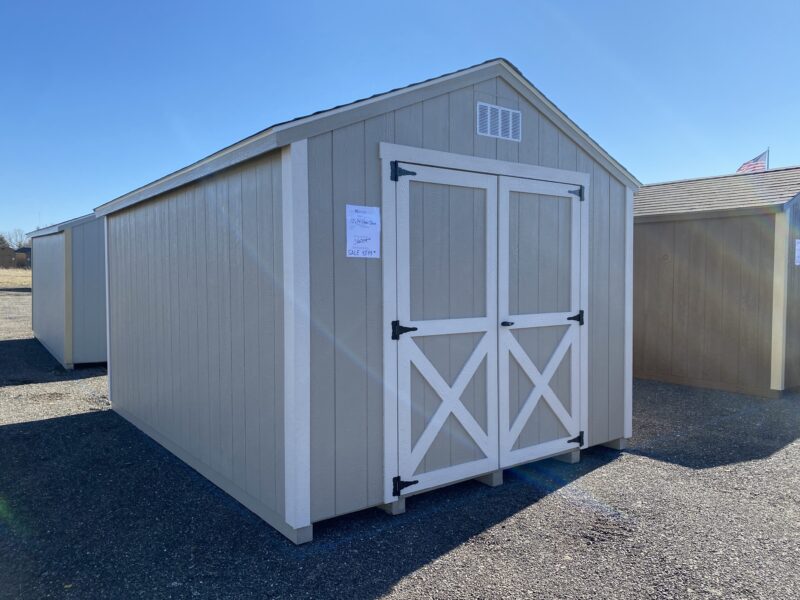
[398,507]
[571,457]
[492,479]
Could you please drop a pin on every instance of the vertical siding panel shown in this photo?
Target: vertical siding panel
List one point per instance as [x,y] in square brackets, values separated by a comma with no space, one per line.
[436,123]
[695,350]
[351,334]
[375,131]
[548,144]
[713,324]
[767,256]
[529,146]
[192,312]
[225,328]
[661,323]
[203,363]
[680,300]
[252,358]
[277,228]
[462,121]
[408,125]
[267,288]
[323,349]
[213,291]
[731,301]
[237,326]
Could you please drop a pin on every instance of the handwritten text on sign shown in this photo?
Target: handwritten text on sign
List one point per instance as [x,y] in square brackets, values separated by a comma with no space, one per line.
[363,231]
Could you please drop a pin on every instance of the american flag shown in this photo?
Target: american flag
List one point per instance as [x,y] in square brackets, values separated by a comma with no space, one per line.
[759,163]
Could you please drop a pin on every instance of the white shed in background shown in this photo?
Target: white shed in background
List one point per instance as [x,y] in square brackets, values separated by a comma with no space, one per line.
[425,286]
[69,303]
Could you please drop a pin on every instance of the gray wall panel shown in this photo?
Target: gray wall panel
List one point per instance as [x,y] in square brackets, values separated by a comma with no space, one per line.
[88,292]
[49,293]
[199,312]
[345,293]
[703,298]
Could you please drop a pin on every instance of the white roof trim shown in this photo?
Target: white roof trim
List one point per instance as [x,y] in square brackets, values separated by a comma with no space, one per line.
[59,227]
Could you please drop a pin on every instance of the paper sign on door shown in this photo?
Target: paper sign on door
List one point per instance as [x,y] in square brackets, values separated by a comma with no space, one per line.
[797,252]
[363,231]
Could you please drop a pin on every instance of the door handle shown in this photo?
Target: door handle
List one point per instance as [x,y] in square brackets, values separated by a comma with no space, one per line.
[507,323]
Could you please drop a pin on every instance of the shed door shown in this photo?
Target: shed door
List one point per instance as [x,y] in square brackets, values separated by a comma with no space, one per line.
[447,290]
[539,304]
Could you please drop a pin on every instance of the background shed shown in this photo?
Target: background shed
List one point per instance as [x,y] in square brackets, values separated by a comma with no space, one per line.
[264,354]
[717,282]
[68,288]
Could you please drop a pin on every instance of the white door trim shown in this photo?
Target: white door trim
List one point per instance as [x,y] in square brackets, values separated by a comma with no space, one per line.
[419,156]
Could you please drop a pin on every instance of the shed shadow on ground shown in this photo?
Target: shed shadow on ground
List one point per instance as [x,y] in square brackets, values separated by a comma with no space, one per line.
[27,361]
[15,289]
[90,502]
[702,428]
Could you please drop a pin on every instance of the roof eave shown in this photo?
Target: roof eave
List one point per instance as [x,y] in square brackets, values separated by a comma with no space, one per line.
[59,227]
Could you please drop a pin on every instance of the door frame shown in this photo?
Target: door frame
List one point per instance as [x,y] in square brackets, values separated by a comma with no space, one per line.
[388,153]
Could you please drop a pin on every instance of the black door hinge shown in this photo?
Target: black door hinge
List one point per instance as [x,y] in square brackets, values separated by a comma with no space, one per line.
[398,330]
[578,439]
[398,171]
[398,485]
[578,193]
[577,317]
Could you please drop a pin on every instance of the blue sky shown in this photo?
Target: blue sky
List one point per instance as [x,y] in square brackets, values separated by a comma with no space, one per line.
[98,98]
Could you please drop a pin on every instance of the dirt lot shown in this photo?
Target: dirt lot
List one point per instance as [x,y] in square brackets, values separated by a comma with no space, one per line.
[15,279]
[705,503]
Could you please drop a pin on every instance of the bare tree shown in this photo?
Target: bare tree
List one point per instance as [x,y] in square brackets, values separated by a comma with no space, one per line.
[17,239]
[3,242]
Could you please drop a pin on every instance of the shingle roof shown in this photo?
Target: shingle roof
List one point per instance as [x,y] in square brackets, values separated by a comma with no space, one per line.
[725,192]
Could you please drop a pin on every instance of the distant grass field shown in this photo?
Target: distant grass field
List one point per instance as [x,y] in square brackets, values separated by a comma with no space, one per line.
[15,278]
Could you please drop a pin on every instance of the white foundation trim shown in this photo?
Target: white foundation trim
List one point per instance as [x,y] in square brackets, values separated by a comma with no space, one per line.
[297,334]
[628,352]
[779,296]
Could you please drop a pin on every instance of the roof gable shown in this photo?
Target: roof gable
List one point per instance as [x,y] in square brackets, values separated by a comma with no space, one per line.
[282,134]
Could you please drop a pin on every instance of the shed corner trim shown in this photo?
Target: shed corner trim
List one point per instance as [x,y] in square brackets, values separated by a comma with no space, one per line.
[297,334]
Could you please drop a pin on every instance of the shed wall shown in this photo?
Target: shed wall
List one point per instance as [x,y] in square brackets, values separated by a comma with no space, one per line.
[346,294]
[793,305]
[49,293]
[88,293]
[703,301]
[196,305]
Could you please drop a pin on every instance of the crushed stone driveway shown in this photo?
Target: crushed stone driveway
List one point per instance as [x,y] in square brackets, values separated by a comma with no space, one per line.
[704,503]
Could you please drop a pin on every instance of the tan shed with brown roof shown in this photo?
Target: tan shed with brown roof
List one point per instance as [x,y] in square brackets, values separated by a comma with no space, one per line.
[717,282]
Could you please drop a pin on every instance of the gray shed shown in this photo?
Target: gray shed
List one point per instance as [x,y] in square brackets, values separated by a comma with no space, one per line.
[426,286]
[717,282]
[69,296]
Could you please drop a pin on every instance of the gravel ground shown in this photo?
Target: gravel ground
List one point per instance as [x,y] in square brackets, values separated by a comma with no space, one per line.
[705,503]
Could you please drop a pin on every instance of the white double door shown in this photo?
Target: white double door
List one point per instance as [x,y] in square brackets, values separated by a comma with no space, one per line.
[488,286]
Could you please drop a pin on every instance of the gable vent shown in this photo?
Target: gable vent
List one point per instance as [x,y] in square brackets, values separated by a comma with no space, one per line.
[499,122]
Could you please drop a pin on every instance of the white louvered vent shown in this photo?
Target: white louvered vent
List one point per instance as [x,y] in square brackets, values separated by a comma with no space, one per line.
[499,122]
